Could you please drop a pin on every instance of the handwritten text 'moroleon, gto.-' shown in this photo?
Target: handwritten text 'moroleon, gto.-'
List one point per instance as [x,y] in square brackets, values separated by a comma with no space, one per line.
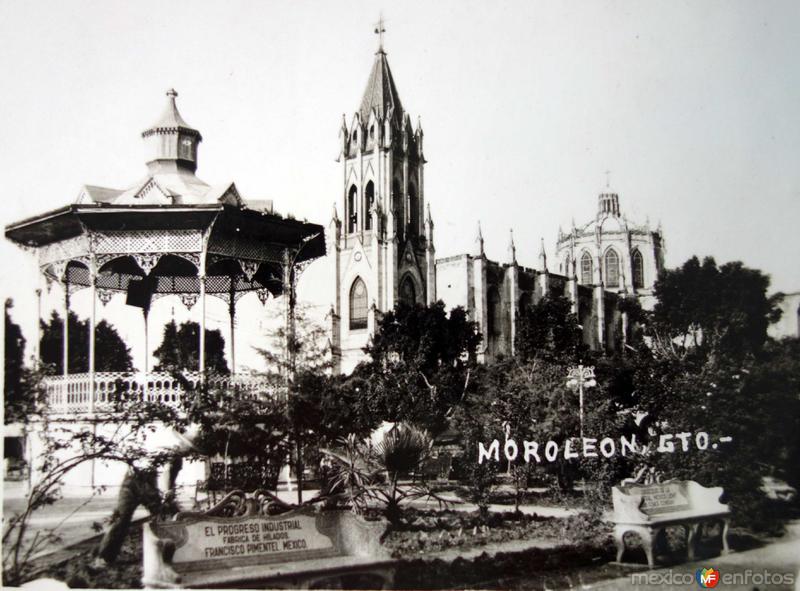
[590,447]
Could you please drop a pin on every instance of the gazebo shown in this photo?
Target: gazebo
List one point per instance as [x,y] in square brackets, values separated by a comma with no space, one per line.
[170,233]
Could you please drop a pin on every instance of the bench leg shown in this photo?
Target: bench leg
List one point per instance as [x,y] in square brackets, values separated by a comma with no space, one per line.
[649,541]
[619,541]
[725,526]
[691,534]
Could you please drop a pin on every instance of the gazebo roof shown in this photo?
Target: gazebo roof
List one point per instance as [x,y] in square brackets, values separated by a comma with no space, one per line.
[169,226]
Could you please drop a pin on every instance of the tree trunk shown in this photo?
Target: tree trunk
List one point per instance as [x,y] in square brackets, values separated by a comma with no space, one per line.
[299,467]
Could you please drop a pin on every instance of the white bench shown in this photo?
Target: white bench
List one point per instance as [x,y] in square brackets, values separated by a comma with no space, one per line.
[238,543]
[647,509]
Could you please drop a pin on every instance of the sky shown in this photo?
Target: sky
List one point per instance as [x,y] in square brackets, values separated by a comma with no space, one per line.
[693,107]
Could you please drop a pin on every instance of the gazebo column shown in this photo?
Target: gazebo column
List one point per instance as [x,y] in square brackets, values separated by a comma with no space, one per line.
[92,327]
[288,295]
[37,345]
[202,336]
[146,316]
[232,314]
[65,332]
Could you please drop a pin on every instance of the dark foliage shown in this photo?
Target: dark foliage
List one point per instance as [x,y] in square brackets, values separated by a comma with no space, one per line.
[16,379]
[420,363]
[111,353]
[180,346]
[549,330]
[721,310]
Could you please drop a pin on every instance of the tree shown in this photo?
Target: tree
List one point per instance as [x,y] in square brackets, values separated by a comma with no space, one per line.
[549,330]
[712,369]
[111,353]
[16,392]
[319,407]
[64,449]
[530,401]
[179,349]
[420,364]
[252,426]
[705,308]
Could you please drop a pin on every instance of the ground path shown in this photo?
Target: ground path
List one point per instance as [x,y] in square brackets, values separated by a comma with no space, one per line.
[76,514]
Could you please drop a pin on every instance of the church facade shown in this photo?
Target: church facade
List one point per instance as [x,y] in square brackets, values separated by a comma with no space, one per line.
[384,253]
[596,265]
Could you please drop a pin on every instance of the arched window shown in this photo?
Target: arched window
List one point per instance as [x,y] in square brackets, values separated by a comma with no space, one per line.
[358,305]
[407,292]
[612,268]
[413,213]
[638,269]
[352,213]
[369,197]
[586,269]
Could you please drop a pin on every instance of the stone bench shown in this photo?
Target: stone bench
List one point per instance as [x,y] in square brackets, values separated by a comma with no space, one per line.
[238,543]
[650,508]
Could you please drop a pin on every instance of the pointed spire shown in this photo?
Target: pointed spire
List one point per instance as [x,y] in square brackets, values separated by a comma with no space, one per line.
[479,241]
[381,93]
[542,257]
[512,249]
[428,218]
[335,216]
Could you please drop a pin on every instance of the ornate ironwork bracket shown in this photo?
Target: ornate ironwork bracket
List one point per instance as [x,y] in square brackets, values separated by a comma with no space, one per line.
[105,295]
[147,261]
[249,268]
[189,299]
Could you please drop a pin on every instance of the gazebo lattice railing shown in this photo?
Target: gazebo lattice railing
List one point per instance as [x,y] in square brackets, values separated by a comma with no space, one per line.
[72,394]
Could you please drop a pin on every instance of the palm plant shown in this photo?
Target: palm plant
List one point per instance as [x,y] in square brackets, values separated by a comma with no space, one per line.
[351,475]
[372,473]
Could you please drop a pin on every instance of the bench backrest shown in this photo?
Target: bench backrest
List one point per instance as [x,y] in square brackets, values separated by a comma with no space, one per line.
[652,502]
[200,542]
[247,476]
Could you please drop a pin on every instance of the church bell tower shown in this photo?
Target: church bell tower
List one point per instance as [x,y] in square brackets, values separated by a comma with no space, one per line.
[384,239]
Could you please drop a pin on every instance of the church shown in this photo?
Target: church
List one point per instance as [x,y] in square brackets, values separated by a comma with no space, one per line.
[383,246]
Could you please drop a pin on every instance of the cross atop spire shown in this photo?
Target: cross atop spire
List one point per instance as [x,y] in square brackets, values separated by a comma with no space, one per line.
[379,31]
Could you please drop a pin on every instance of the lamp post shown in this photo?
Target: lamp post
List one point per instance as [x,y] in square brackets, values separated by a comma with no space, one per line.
[581,377]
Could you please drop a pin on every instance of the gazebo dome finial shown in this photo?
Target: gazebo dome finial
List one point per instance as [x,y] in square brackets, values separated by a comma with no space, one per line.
[171,142]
